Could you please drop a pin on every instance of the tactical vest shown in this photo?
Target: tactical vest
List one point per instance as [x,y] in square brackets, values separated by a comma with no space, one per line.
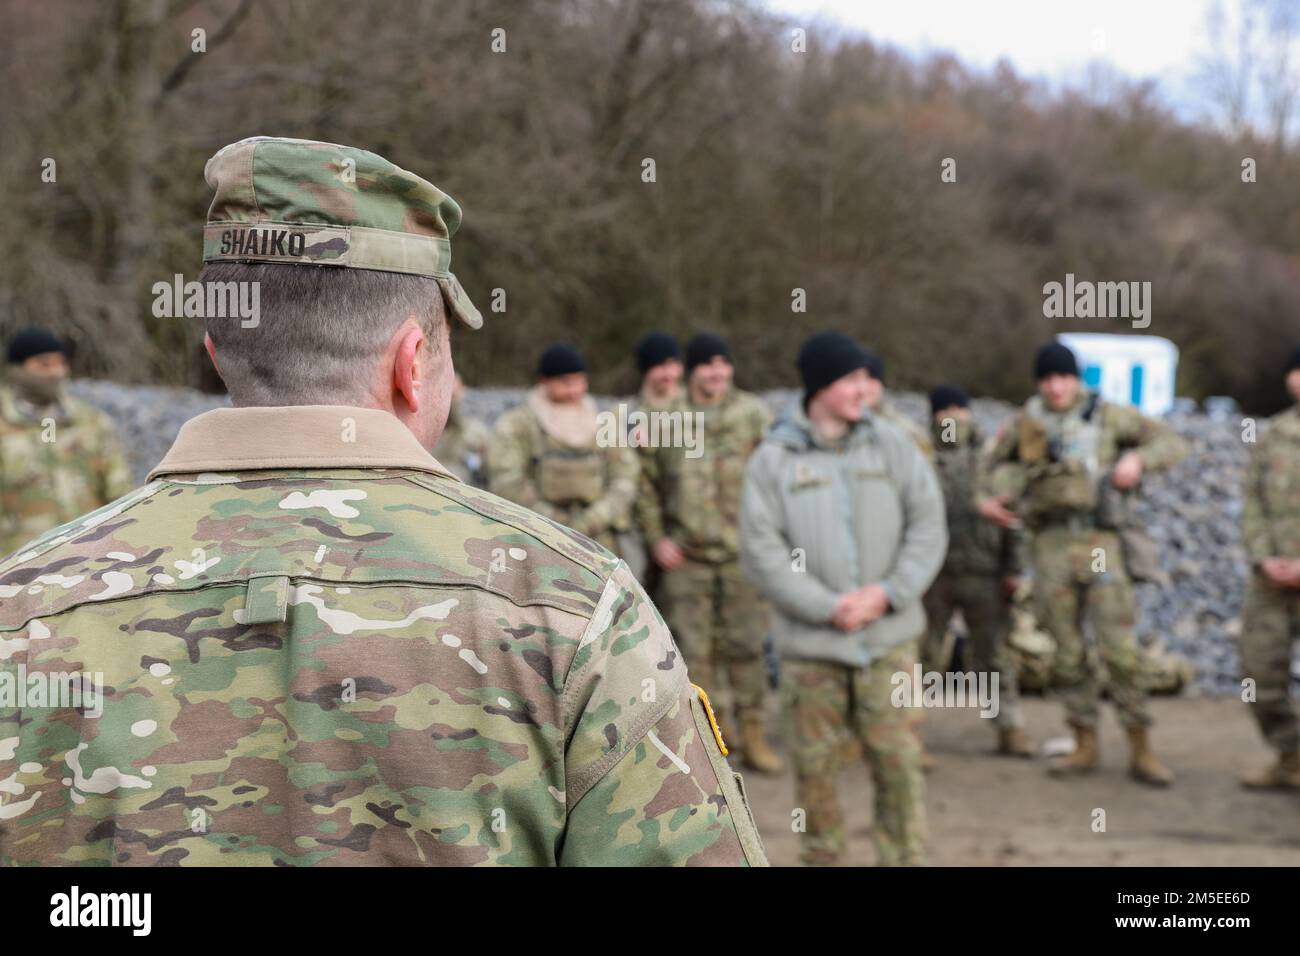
[1061,454]
[566,476]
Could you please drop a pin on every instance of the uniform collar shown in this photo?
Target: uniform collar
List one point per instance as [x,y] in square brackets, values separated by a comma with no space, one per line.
[295,436]
[18,411]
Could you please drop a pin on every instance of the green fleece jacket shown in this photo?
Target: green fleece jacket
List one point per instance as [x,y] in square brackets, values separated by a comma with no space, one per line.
[821,519]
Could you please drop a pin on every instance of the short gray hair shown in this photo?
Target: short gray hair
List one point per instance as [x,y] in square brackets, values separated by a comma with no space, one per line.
[320,332]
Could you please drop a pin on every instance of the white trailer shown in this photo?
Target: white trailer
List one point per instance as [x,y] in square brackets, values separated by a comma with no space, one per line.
[1134,370]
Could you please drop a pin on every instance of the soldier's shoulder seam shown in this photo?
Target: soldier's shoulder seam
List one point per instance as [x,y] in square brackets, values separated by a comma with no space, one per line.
[53,539]
[153,590]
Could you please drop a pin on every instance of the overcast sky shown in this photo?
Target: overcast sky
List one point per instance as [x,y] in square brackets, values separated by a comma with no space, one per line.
[1052,39]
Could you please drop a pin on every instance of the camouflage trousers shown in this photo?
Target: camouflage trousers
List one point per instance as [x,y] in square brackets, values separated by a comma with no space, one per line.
[823,701]
[1080,584]
[987,614]
[719,621]
[1270,622]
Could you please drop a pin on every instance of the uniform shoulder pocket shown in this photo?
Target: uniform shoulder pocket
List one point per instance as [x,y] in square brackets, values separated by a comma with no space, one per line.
[729,782]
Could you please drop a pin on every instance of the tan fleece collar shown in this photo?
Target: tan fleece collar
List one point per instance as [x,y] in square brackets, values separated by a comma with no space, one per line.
[573,424]
[295,436]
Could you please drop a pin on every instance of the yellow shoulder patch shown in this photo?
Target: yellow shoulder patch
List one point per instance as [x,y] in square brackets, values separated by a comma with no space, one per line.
[713,721]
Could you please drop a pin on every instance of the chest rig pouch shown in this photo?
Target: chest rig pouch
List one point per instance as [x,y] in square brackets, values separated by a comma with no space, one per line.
[1061,454]
[566,476]
[570,476]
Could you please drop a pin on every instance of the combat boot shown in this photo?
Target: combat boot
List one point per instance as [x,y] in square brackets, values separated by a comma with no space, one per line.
[1014,742]
[1144,767]
[1084,758]
[758,754]
[1282,775]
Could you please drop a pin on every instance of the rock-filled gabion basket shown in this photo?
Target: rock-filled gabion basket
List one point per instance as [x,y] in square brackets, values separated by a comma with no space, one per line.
[1192,512]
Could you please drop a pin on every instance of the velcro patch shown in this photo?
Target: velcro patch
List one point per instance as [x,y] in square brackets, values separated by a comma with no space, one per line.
[277,242]
[267,600]
[713,721]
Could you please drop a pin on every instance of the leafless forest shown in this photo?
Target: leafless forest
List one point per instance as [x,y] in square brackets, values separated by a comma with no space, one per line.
[775,169]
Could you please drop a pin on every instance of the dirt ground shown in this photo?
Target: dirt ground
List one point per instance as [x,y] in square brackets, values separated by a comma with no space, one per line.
[998,811]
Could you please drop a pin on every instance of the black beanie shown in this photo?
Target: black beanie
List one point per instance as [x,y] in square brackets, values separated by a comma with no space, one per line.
[1294,362]
[704,348]
[875,365]
[560,359]
[946,396]
[829,356]
[1054,359]
[31,342]
[655,349]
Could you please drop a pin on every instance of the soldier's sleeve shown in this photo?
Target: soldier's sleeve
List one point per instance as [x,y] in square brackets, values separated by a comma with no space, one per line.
[1255,522]
[648,510]
[1158,445]
[998,458]
[645,780]
[110,465]
[925,528]
[767,554]
[510,465]
[613,509]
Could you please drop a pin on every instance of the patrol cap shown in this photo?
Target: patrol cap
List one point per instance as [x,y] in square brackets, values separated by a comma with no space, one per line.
[302,202]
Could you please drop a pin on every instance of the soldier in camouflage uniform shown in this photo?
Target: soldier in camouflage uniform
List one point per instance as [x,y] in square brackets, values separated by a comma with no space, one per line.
[464,442]
[689,512]
[549,454]
[1073,454]
[319,647]
[842,527]
[1271,616]
[881,407]
[659,361]
[981,571]
[658,358]
[59,456]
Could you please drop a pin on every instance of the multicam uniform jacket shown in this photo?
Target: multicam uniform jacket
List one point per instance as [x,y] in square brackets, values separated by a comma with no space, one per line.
[55,464]
[695,498]
[314,650]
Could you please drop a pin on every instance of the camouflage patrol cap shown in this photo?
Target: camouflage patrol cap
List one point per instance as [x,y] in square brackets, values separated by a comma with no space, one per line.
[302,202]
